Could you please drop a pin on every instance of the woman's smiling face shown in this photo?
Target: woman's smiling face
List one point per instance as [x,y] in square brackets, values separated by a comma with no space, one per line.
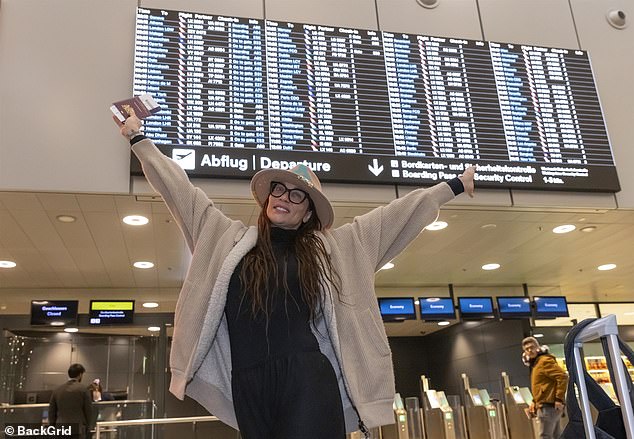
[282,212]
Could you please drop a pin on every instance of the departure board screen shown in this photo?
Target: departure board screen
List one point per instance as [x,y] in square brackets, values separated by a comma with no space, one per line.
[240,94]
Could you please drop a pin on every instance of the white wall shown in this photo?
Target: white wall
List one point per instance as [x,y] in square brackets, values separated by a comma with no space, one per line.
[62,63]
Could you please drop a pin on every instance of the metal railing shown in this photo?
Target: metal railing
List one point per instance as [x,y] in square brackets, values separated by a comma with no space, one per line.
[107,426]
[45,404]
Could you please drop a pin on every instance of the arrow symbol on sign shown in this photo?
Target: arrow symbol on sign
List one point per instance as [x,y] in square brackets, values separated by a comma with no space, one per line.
[375,168]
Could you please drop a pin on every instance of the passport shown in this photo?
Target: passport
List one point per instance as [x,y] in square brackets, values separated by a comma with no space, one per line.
[143,105]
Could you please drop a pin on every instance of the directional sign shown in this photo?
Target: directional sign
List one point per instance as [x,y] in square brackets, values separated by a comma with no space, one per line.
[375,168]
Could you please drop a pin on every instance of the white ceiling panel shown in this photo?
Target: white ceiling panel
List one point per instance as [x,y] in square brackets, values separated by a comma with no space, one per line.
[109,240]
[20,201]
[130,206]
[96,203]
[61,202]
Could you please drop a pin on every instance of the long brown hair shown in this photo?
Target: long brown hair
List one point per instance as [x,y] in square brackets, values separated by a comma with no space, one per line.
[259,275]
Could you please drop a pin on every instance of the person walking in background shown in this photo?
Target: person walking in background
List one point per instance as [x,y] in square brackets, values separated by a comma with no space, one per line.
[71,404]
[277,330]
[548,384]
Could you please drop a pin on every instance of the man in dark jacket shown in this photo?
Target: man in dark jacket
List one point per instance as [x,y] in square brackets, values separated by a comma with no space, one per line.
[548,384]
[71,403]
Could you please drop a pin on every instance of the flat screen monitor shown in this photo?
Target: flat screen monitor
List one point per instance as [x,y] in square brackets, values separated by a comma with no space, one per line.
[54,312]
[476,307]
[551,307]
[436,308]
[397,308]
[514,307]
[111,312]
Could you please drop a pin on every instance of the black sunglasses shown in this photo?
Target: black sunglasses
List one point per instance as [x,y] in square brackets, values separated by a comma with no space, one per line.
[295,196]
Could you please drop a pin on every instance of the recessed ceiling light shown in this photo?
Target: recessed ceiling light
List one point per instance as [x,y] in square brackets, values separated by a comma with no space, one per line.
[538,335]
[588,229]
[66,218]
[387,266]
[154,328]
[3,307]
[135,220]
[491,266]
[143,264]
[444,323]
[488,226]
[437,225]
[71,329]
[7,264]
[150,305]
[57,323]
[606,267]
[566,228]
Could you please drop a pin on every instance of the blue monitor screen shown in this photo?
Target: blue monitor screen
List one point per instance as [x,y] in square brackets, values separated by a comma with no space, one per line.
[481,307]
[551,307]
[397,308]
[514,306]
[435,308]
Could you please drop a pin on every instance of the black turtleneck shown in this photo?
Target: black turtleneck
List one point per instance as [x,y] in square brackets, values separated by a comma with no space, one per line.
[287,329]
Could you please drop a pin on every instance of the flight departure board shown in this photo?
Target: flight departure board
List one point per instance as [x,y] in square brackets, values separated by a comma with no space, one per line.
[239,95]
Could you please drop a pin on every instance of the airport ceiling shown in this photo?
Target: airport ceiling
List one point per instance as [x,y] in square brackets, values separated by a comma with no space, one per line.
[92,257]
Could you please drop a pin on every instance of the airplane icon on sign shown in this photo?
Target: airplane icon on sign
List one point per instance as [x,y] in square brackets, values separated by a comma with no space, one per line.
[186,158]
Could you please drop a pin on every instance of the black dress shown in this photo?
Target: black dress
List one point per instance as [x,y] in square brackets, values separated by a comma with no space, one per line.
[283,386]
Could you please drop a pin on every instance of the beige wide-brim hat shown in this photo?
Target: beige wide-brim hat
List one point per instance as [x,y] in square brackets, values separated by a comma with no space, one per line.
[302,177]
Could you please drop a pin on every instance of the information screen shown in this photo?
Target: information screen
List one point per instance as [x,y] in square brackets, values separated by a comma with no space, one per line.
[476,307]
[555,306]
[397,308]
[239,95]
[436,308]
[510,307]
[54,312]
[111,312]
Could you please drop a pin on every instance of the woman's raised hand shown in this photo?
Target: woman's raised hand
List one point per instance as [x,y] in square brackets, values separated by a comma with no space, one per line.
[467,180]
[131,126]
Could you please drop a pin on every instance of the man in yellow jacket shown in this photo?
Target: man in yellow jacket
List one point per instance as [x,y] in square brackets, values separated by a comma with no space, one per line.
[548,384]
